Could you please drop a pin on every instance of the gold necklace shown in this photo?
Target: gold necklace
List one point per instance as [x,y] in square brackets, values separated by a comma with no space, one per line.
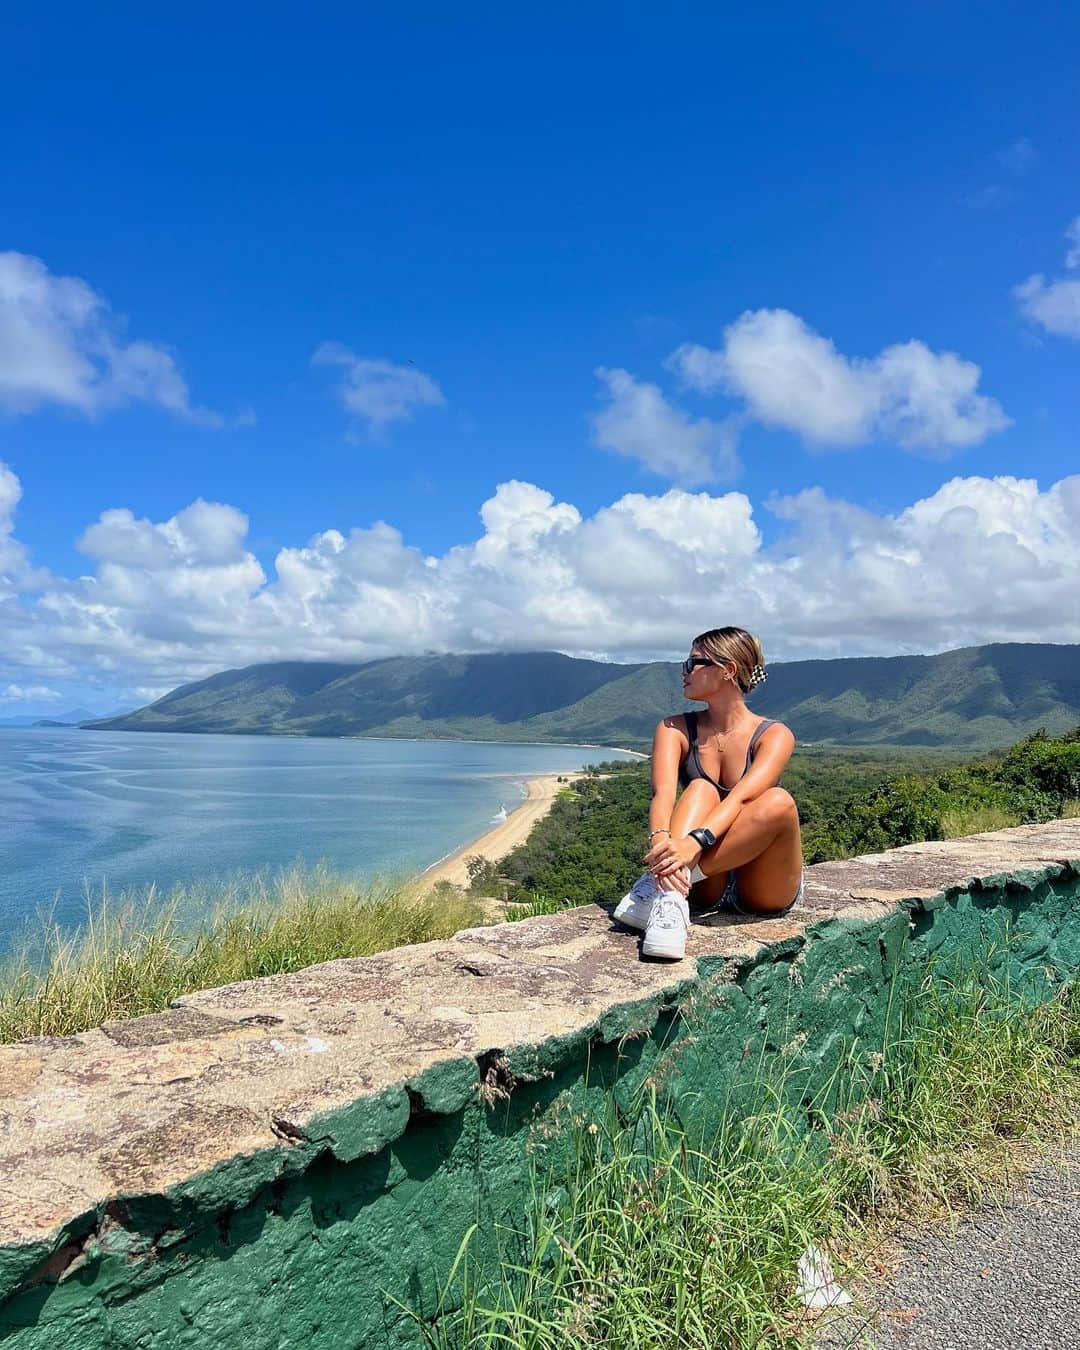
[719,741]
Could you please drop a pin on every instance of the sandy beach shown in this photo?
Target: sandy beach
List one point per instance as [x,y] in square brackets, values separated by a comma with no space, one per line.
[498,842]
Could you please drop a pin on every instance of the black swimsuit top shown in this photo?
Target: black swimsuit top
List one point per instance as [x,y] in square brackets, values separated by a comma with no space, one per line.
[691,768]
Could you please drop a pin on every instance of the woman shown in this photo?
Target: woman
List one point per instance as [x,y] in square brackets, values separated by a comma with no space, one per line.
[732,840]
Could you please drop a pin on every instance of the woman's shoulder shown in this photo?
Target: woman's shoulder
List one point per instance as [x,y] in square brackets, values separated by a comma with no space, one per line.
[774,729]
[677,722]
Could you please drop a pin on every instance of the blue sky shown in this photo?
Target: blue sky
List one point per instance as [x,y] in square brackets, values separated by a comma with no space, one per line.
[770,228]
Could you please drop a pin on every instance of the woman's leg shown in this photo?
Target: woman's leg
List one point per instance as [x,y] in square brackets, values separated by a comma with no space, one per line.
[765,844]
[697,803]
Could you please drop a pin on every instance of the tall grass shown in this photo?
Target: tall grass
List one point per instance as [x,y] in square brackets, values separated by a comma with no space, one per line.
[654,1241]
[970,1070]
[137,952]
[959,821]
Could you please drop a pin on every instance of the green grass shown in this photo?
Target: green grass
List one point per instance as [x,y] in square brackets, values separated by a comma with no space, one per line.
[648,1239]
[971,1071]
[535,908]
[135,953]
[963,820]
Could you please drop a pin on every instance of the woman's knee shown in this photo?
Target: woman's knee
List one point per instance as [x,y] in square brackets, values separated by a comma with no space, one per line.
[777,807]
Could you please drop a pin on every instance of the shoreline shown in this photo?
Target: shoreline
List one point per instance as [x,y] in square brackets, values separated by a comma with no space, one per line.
[497,842]
[342,736]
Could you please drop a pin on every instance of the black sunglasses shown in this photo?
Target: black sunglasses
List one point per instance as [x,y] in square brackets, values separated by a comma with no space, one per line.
[692,661]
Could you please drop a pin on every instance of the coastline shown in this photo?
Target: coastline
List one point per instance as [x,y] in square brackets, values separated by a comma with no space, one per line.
[337,736]
[471,740]
[496,843]
[501,839]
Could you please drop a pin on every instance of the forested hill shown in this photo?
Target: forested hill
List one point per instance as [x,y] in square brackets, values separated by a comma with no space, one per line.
[975,697]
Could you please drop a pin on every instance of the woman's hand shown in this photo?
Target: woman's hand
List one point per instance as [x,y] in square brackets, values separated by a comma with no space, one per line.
[668,856]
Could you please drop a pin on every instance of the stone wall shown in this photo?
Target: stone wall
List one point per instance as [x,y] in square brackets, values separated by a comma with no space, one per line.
[275,1163]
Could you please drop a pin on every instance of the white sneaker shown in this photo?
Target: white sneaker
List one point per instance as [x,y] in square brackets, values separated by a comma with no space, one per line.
[669,923]
[636,905]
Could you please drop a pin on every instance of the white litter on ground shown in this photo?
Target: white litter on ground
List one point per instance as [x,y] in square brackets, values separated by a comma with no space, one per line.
[817,1283]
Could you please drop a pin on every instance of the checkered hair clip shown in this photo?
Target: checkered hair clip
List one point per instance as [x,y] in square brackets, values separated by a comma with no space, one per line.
[758,676]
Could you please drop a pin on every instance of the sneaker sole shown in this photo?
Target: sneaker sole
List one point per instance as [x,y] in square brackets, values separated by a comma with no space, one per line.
[665,952]
[631,915]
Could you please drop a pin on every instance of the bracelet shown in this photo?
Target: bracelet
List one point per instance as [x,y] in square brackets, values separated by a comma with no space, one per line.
[659,831]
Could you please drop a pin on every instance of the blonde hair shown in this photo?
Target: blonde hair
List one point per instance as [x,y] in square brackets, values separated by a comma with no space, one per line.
[736,645]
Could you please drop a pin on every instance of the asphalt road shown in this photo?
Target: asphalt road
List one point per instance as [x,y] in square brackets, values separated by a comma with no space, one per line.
[1006,1277]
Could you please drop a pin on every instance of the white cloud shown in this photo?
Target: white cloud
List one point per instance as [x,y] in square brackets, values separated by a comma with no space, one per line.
[31,693]
[15,571]
[979,560]
[379,392]
[639,423]
[791,377]
[1072,236]
[1055,305]
[204,533]
[10,496]
[60,344]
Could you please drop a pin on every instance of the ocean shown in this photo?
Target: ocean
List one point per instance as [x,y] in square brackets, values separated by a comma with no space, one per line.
[87,809]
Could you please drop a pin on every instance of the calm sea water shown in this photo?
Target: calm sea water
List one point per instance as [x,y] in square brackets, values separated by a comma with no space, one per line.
[82,808]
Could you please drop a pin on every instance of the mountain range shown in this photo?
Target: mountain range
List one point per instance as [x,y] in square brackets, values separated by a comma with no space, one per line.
[65,719]
[975,697]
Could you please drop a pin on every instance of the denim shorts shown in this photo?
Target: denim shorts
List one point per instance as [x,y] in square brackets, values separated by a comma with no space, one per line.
[730,903]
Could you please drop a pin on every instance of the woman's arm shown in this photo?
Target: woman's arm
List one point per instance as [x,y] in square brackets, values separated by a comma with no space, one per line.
[771,755]
[666,756]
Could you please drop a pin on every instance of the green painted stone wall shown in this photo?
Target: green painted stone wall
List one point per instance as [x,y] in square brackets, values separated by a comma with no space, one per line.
[312,1247]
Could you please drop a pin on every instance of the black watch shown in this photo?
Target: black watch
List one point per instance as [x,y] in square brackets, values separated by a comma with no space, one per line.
[705,837]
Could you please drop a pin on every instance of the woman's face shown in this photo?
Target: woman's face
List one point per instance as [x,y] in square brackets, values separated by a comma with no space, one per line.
[703,681]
